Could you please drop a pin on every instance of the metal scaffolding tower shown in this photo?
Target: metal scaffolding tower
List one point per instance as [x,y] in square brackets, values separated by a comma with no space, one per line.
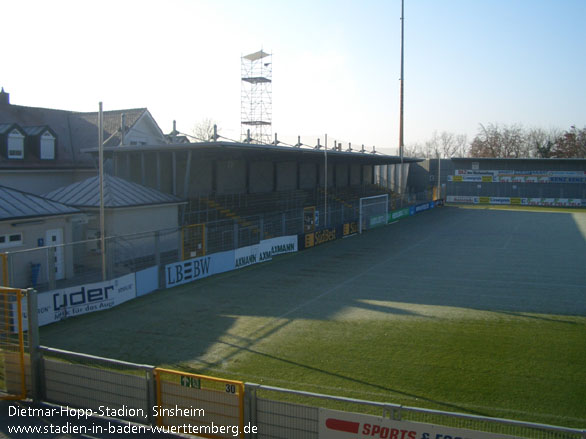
[256,103]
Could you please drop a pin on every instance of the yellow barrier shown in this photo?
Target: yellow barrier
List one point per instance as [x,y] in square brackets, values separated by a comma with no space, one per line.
[12,358]
[193,239]
[198,404]
[4,261]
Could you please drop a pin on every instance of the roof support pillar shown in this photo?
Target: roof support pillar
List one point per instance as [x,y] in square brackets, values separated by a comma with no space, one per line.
[247,176]
[142,169]
[127,171]
[187,175]
[174,164]
[158,170]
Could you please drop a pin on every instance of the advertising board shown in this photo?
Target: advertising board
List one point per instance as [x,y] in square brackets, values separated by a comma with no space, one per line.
[62,303]
[179,273]
[335,424]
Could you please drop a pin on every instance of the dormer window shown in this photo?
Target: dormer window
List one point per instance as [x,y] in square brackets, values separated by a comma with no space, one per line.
[47,146]
[15,145]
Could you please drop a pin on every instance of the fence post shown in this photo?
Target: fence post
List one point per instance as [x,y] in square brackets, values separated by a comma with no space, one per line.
[51,267]
[157,250]
[157,244]
[151,396]
[250,392]
[33,344]
[283,224]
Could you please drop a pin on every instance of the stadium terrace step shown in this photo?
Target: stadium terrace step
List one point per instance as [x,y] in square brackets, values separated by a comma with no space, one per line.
[230,214]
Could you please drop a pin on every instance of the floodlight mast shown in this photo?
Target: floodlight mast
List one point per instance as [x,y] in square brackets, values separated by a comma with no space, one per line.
[402,83]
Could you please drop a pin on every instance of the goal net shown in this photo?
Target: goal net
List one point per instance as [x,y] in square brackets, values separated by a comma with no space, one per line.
[373,211]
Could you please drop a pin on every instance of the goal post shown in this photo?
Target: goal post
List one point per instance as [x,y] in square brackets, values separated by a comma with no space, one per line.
[373,211]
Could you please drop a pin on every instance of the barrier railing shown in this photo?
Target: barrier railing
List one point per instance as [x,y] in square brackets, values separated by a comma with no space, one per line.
[13,343]
[303,419]
[207,406]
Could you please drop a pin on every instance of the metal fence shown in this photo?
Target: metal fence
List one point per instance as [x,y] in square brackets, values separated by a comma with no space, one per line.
[14,342]
[96,383]
[276,416]
[70,264]
[130,391]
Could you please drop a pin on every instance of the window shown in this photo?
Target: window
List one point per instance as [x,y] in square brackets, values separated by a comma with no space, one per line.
[11,240]
[47,146]
[15,145]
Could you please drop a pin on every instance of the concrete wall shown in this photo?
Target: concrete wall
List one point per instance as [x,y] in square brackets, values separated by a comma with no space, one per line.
[128,221]
[200,181]
[40,182]
[342,175]
[423,175]
[321,175]
[20,263]
[355,175]
[307,176]
[231,176]
[367,174]
[124,221]
[286,176]
[261,177]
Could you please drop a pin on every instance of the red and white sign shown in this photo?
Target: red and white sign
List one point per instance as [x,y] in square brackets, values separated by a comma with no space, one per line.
[343,425]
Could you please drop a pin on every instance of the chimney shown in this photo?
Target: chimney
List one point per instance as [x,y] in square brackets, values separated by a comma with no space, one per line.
[4,97]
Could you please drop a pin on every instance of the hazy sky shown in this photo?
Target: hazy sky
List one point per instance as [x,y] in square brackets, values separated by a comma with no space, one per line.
[336,64]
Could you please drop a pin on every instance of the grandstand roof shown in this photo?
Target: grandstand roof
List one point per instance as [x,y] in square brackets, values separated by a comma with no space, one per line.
[252,150]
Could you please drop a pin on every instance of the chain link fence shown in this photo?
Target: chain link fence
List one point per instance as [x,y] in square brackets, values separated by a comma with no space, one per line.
[223,223]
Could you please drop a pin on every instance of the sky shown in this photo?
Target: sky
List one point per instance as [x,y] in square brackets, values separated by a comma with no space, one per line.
[336,64]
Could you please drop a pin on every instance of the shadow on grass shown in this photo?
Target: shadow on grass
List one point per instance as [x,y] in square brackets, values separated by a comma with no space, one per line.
[351,379]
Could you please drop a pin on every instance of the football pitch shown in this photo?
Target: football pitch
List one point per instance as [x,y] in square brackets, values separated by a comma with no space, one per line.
[471,310]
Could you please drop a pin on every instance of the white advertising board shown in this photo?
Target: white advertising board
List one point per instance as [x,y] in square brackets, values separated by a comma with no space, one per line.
[245,256]
[73,301]
[282,244]
[179,273]
[461,199]
[341,425]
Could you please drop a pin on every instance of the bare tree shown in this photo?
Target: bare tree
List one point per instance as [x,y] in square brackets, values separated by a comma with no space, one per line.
[571,144]
[204,130]
[502,142]
[541,142]
[416,150]
[445,145]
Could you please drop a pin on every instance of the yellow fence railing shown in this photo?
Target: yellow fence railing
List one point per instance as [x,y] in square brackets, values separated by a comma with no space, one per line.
[13,383]
[200,405]
[193,241]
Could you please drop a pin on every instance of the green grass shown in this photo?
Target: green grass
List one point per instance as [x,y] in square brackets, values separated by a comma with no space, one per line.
[461,310]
